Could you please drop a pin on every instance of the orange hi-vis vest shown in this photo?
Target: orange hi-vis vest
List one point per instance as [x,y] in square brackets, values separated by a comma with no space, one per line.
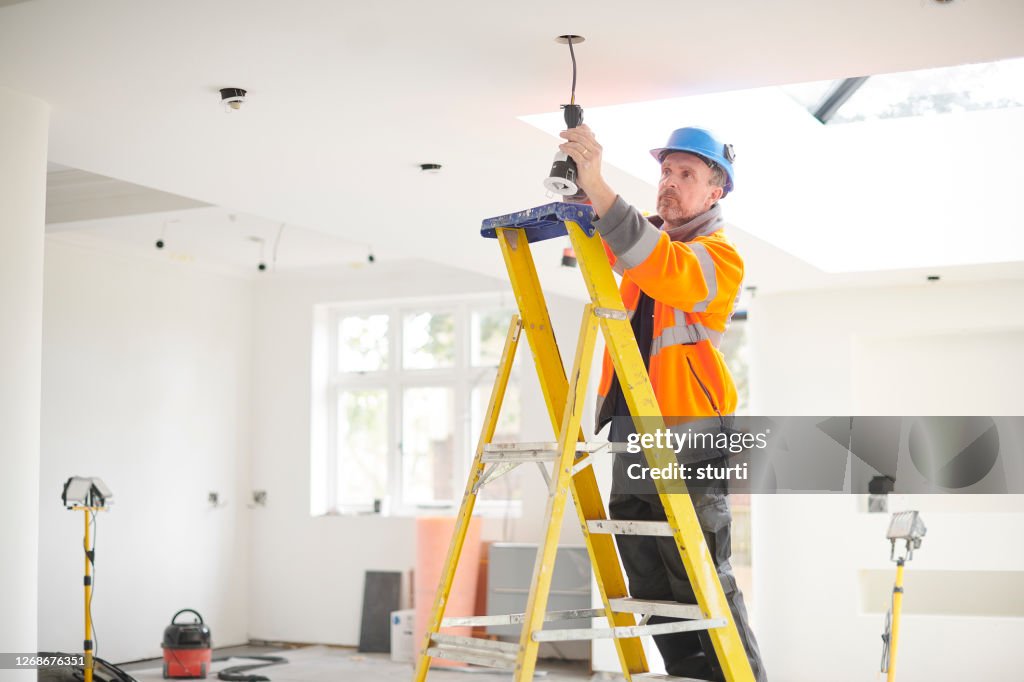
[695,282]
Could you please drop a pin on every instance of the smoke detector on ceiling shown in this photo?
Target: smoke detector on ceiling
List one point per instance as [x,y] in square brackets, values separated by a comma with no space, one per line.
[232,98]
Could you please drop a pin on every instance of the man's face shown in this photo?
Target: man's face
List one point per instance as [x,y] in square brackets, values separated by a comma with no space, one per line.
[685,190]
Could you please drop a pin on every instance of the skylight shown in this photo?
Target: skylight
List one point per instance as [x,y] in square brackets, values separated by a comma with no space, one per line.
[953,89]
[911,190]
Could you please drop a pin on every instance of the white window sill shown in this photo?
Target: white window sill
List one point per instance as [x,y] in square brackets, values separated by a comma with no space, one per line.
[488,510]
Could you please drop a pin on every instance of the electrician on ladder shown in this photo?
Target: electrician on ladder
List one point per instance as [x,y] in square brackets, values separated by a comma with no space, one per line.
[681,278]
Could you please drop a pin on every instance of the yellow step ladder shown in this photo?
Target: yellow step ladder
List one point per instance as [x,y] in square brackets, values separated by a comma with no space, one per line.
[570,471]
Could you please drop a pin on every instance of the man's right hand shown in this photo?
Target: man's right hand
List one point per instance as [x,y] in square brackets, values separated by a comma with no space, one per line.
[583,147]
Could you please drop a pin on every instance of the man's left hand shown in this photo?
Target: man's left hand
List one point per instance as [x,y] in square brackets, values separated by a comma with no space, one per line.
[583,147]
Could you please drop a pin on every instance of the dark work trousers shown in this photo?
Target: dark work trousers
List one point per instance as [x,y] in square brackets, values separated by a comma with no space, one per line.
[656,571]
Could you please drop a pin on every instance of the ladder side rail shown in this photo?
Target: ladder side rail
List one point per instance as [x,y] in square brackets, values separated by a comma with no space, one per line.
[554,386]
[536,320]
[558,497]
[469,498]
[643,405]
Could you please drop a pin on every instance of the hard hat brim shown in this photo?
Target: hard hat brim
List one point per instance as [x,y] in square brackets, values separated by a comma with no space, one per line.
[660,152]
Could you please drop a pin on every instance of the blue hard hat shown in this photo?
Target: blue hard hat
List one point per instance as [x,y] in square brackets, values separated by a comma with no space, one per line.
[704,144]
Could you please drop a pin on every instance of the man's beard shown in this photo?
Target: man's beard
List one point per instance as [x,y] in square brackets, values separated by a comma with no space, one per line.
[671,211]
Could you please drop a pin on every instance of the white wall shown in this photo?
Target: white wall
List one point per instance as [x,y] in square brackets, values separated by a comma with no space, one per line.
[23,139]
[941,348]
[307,572]
[146,384]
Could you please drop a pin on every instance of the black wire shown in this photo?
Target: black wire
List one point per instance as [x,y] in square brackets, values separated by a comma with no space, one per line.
[102,668]
[238,673]
[120,674]
[887,635]
[572,99]
[273,262]
[92,592]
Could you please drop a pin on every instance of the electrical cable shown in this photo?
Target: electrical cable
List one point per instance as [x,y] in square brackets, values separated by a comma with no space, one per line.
[92,591]
[237,673]
[887,634]
[572,99]
[103,670]
[121,675]
[277,240]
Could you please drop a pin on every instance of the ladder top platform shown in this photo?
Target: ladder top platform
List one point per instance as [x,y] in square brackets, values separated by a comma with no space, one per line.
[542,222]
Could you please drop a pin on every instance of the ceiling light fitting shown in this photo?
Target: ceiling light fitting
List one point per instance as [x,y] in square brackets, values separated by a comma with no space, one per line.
[432,168]
[562,178]
[232,98]
[259,240]
[160,240]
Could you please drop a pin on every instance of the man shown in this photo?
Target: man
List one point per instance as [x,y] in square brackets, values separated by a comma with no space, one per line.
[680,280]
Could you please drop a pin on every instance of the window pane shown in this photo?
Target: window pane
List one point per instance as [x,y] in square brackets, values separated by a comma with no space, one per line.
[428,340]
[510,485]
[363,343]
[951,89]
[507,430]
[736,350]
[362,446]
[488,329]
[427,445]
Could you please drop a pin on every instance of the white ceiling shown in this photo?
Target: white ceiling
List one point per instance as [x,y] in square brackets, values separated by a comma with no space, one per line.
[346,99]
[216,239]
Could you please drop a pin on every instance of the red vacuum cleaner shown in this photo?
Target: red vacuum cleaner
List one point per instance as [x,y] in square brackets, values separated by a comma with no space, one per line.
[187,650]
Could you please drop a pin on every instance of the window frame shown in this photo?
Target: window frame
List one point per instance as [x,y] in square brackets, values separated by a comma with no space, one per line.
[462,378]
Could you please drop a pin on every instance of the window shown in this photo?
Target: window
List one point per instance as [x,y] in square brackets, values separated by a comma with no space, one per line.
[736,349]
[950,89]
[403,389]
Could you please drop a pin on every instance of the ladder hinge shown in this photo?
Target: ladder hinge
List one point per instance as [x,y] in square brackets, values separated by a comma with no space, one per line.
[611,314]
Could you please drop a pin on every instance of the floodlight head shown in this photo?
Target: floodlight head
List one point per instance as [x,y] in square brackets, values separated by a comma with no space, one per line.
[76,491]
[81,491]
[102,493]
[906,526]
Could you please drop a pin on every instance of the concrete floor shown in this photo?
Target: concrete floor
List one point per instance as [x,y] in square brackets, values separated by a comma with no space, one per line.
[323,664]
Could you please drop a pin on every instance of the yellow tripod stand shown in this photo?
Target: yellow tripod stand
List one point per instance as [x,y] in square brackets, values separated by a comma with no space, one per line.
[88,664]
[570,460]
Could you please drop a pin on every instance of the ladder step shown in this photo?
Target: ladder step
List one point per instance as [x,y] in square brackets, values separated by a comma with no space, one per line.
[566,634]
[470,656]
[630,527]
[517,618]
[670,609]
[582,446]
[492,645]
[533,452]
[486,652]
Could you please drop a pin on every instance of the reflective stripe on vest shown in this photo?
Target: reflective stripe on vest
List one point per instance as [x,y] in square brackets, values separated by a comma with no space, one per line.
[684,335]
[707,268]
